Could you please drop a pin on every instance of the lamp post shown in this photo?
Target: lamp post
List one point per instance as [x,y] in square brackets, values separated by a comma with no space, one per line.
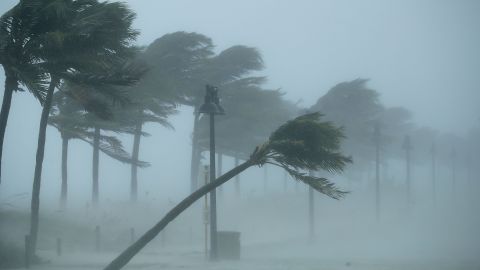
[311,211]
[407,146]
[212,107]
[433,152]
[376,138]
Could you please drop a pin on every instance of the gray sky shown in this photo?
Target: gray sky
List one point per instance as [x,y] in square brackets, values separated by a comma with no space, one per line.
[423,55]
[420,54]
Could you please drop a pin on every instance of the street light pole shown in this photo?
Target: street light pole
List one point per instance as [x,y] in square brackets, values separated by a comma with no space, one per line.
[213,193]
[407,146]
[311,211]
[212,107]
[377,170]
[433,152]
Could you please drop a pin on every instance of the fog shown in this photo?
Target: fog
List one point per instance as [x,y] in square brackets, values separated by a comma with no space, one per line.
[419,55]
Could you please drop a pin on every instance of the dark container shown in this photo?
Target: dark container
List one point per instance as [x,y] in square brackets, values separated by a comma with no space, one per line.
[228,245]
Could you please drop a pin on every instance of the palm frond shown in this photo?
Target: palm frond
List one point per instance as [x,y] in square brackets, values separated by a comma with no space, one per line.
[320,184]
[305,143]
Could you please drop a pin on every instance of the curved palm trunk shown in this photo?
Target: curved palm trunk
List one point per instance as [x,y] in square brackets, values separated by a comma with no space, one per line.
[35,204]
[133,249]
[96,152]
[135,152]
[64,190]
[10,86]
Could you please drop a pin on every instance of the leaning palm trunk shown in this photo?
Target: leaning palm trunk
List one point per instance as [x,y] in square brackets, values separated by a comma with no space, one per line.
[95,162]
[64,190]
[315,147]
[35,204]
[135,153]
[131,251]
[10,85]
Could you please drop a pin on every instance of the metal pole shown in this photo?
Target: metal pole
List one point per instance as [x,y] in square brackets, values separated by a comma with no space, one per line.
[219,171]
[193,161]
[59,246]
[434,175]
[377,172]
[454,155]
[213,197]
[408,146]
[311,214]
[237,178]
[206,214]
[27,251]
[265,177]
[409,196]
[132,235]
[97,238]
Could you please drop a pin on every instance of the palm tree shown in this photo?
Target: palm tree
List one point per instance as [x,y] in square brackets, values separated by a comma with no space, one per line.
[223,71]
[17,31]
[304,143]
[78,37]
[156,112]
[70,119]
[174,61]
[252,113]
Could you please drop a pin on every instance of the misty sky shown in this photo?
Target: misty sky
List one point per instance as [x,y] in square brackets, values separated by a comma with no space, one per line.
[423,55]
[420,54]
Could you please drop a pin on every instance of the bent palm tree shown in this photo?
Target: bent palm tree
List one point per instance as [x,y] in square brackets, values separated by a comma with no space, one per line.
[16,33]
[304,143]
[80,37]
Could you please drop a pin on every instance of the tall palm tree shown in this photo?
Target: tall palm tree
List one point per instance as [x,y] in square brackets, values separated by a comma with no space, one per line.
[304,143]
[222,70]
[17,31]
[79,37]
[356,107]
[70,119]
[175,63]
[150,110]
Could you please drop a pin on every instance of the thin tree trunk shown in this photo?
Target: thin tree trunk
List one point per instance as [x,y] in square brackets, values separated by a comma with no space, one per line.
[237,178]
[96,152]
[10,86]
[133,249]
[194,163]
[64,190]
[135,152]
[35,204]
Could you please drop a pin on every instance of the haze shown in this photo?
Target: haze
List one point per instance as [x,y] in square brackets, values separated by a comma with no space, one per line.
[420,55]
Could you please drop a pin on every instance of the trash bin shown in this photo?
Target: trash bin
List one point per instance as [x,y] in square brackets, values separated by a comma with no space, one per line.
[228,243]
